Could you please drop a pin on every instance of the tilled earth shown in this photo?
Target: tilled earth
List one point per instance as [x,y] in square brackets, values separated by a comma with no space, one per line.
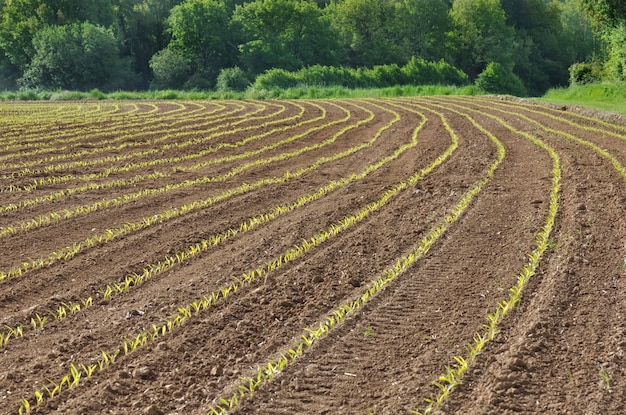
[95,194]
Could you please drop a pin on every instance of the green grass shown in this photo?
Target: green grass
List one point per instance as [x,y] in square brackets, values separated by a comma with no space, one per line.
[310,92]
[605,96]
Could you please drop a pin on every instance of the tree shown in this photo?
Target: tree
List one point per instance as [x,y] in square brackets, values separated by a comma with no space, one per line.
[480,35]
[610,16]
[287,34]
[542,53]
[141,26]
[76,56]
[232,79]
[610,11]
[582,41]
[171,69]
[200,33]
[423,25]
[20,20]
[499,80]
[368,30]
[8,73]
[615,65]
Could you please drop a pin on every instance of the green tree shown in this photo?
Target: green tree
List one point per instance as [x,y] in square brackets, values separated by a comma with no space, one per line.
[369,30]
[200,32]
[232,79]
[20,20]
[611,11]
[582,42]
[8,73]
[610,17]
[480,35]
[615,65]
[171,69]
[286,34]
[76,56]
[423,25]
[542,53]
[500,80]
[141,26]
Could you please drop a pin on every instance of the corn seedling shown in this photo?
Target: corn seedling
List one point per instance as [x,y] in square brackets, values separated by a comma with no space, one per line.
[606,379]
[490,329]
[312,335]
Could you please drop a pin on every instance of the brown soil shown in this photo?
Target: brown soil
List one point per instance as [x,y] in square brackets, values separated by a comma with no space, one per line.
[560,352]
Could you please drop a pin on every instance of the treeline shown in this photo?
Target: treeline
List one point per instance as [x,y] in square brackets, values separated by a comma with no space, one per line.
[227,44]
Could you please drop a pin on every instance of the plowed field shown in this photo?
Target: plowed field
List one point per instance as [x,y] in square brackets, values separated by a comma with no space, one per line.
[393,256]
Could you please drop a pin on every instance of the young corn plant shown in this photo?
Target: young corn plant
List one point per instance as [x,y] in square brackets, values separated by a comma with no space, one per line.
[338,315]
[529,269]
[272,369]
[605,378]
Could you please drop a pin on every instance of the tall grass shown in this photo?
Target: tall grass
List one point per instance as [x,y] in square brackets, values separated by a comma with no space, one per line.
[605,96]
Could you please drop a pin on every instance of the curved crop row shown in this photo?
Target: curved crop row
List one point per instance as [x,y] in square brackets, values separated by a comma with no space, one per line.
[132,166]
[381,280]
[73,131]
[64,309]
[43,220]
[550,113]
[184,312]
[128,140]
[244,246]
[454,373]
[53,180]
[598,150]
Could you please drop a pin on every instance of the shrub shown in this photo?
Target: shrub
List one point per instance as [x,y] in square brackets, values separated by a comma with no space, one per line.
[416,72]
[276,78]
[584,73]
[497,79]
[97,94]
[387,75]
[232,79]
[420,72]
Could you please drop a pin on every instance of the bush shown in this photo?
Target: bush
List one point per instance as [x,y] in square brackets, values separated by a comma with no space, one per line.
[97,94]
[168,94]
[420,72]
[416,72]
[497,79]
[276,78]
[387,75]
[584,73]
[232,79]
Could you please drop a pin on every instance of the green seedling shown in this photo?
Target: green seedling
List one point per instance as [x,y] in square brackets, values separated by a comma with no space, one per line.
[605,377]
[369,332]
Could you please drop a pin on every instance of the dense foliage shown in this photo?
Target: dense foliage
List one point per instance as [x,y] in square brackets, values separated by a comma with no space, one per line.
[416,72]
[141,44]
